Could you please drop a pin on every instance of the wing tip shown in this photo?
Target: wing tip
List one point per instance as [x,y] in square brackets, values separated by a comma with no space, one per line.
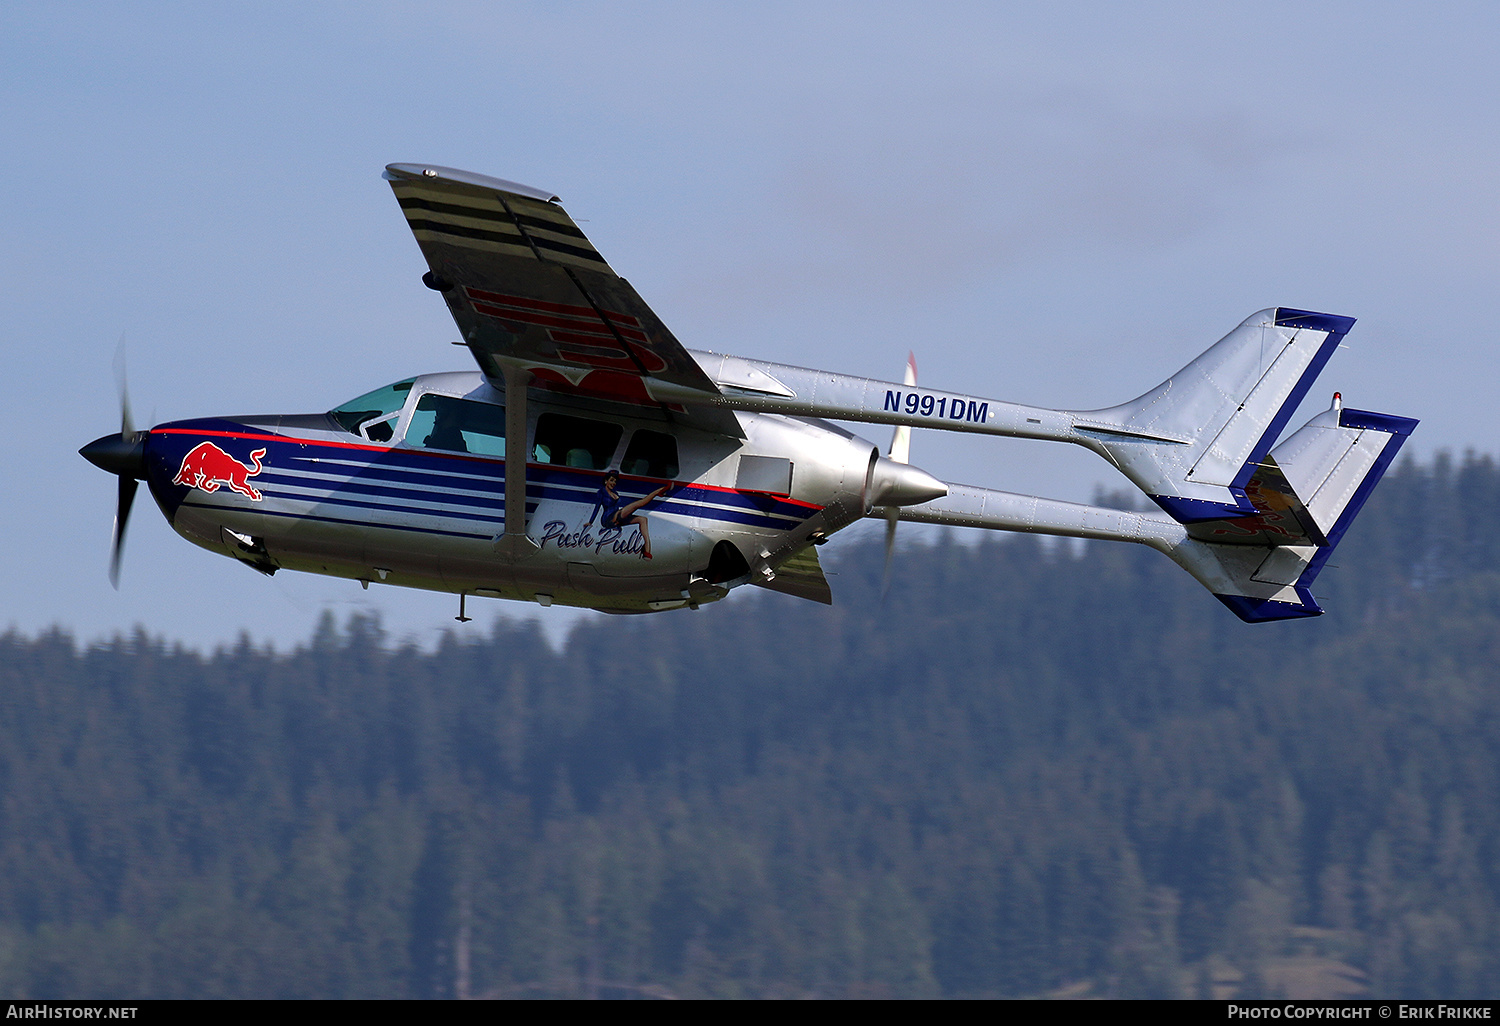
[420,172]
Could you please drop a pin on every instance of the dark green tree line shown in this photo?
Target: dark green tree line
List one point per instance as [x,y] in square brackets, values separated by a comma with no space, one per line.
[1032,769]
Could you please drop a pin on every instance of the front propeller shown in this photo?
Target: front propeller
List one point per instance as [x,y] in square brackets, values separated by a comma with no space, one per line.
[123,455]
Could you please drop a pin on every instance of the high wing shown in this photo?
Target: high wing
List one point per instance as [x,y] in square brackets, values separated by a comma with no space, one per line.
[528,290]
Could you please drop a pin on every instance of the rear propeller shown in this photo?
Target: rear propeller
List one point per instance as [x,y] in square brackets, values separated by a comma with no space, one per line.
[123,455]
[900,452]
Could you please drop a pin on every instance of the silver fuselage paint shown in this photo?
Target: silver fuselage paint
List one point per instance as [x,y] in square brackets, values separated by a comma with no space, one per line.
[302,493]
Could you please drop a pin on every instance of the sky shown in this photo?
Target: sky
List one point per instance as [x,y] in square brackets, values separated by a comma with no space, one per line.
[1055,204]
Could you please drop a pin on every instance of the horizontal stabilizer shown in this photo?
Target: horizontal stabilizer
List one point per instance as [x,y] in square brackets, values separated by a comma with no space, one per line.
[1308,485]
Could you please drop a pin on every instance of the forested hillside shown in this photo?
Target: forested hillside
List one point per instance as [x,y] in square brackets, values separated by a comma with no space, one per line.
[1032,770]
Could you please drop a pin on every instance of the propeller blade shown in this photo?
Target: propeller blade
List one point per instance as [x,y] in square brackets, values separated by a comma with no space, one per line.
[128,486]
[901,437]
[890,550]
[125,457]
[127,424]
[900,451]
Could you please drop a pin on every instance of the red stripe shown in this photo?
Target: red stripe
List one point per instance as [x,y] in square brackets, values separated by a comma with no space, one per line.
[534,304]
[585,343]
[556,323]
[250,436]
[530,317]
[591,336]
[557,308]
[625,325]
[613,362]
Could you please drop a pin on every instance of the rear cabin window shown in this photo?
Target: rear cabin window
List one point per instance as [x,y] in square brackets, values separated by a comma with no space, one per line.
[575,441]
[650,454]
[373,415]
[457,425]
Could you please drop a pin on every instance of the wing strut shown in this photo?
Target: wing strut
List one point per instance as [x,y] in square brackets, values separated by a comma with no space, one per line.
[514,542]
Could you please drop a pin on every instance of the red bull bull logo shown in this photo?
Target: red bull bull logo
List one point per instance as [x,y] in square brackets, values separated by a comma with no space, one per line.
[207,466]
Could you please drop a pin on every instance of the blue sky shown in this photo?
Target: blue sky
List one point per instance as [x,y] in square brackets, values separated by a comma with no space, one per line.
[1055,204]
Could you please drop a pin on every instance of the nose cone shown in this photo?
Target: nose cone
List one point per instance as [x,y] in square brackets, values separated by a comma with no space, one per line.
[901,484]
[118,454]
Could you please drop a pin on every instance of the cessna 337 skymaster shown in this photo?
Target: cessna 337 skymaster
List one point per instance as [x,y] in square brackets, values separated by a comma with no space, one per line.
[657,478]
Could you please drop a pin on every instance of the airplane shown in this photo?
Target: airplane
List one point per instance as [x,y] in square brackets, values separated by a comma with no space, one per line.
[656,477]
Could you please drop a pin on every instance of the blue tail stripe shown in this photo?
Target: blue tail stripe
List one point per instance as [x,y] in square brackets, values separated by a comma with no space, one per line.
[1399,428]
[1337,327]
[1254,610]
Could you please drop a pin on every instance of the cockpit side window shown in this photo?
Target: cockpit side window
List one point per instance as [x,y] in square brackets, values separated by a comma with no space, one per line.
[650,454]
[575,441]
[457,425]
[373,415]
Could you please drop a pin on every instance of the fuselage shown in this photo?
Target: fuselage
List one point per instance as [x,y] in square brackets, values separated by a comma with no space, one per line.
[406,486]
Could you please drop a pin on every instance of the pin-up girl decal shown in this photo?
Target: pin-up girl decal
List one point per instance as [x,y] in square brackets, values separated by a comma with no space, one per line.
[622,514]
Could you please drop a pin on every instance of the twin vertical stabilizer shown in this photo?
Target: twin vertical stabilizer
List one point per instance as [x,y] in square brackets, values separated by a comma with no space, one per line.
[1194,442]
[1251,519]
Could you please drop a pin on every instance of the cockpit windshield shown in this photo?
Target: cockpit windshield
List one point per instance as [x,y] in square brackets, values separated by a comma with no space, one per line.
[373,414]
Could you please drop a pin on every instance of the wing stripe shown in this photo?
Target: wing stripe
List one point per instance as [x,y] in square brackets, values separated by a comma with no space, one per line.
[563,248]
[507,238]
[600,331]
[551,226]
[496,215]
[463,231]
[583,339]
[586,312]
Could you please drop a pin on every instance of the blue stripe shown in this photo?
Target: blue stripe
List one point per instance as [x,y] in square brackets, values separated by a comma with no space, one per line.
[336,482]
[1399,428]
[1286,317]
[334,500]
[1190,511]
[1386,422]
[413,476]
[332,488]
[458,507]
[1254,610]
[378,475]
[352,523]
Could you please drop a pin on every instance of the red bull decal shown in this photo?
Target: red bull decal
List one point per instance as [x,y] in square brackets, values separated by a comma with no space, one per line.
[207,466]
